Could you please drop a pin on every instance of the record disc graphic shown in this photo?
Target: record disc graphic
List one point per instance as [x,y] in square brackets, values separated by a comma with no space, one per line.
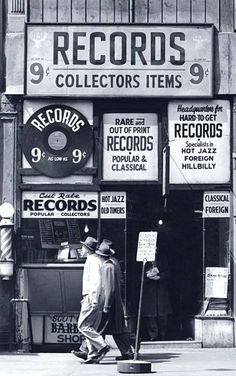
[57,140]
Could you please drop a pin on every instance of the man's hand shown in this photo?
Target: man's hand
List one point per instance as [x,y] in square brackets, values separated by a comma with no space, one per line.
[106,310]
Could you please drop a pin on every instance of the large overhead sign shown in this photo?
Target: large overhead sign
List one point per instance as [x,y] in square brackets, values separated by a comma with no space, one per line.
[199,139]
[130,146]
[119,60]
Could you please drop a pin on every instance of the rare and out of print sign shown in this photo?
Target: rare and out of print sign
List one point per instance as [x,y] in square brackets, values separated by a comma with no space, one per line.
[146,246]
[130,146]
[61,329]
[199,139]
[119,60]
[216,204]
[113,205]
[59,205]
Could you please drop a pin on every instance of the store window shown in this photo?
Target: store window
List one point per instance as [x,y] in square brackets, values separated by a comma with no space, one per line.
[50,219]
[216,253]
[217,242]
[41,239]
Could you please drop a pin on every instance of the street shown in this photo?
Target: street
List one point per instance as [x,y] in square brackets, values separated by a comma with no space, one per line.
[164,362]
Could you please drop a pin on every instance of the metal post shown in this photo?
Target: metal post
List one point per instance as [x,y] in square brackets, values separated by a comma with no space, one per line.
[139,312]
[125,271]
[203,258]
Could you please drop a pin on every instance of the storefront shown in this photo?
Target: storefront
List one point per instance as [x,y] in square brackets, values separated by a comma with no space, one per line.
[193,224]
[123,133]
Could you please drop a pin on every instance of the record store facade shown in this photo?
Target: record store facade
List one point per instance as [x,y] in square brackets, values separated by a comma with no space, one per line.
[118,117]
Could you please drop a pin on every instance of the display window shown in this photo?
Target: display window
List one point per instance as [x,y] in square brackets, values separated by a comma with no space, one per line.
[52,221]
[41,239]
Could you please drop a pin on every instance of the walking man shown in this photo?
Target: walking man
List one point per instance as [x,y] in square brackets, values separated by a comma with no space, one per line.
[90,314]
[113,321]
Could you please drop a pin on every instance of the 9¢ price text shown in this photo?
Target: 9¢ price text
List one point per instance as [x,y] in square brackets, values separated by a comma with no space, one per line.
[37,155]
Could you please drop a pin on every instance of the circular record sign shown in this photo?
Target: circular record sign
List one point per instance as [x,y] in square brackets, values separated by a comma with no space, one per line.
[57,140]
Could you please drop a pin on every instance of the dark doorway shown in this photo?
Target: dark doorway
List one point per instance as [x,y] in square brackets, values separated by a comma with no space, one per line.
[180,243]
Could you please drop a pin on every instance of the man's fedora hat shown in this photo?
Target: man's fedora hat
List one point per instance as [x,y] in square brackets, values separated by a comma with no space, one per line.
[90,243]
[104,249]
[64,244]
[108,242]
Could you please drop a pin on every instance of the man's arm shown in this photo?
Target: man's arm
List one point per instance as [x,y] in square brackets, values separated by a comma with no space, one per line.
[95,279]
[109,286]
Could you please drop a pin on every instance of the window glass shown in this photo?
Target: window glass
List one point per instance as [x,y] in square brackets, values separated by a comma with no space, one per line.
[40,239]
[217,242]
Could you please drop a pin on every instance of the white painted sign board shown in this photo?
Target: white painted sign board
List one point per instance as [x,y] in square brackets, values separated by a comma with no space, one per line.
[147,246]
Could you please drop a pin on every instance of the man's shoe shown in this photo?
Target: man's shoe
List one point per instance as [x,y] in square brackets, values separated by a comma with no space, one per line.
[102,353]
[92,360]
[125,357]
[79,354]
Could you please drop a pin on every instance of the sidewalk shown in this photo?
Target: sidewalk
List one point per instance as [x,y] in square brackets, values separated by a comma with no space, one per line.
[165,362]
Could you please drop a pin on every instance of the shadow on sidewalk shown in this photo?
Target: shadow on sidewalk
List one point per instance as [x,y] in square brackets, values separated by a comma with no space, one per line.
[15,353]
[163,357]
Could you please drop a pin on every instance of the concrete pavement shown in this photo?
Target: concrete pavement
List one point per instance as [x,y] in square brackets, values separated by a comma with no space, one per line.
[165,362]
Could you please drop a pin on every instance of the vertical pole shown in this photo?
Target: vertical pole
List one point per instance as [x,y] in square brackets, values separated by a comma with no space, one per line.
[139,312]
[203,257]
[99,217]
[30,325]
[233,253]
[125,270]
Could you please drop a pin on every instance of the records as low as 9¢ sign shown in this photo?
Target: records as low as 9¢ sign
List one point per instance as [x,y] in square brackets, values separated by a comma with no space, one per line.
[57,140]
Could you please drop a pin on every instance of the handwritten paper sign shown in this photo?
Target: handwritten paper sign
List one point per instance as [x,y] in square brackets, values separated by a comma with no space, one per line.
[146,246]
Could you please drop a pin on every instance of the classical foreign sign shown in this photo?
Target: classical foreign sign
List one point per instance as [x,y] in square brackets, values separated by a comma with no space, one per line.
[199,140]
[216,204]
[119,60]
[59,205]
[130,146]
[57,140]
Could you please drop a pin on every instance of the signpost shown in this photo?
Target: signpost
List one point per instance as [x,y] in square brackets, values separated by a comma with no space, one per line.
[145,252]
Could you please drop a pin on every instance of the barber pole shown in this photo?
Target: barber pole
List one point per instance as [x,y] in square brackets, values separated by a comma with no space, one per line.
[6,239]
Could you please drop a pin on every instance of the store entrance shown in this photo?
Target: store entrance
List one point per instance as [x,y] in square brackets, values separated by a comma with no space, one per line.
[170,303]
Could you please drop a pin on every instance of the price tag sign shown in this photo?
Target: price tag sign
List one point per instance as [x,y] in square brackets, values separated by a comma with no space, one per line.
[146,246]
